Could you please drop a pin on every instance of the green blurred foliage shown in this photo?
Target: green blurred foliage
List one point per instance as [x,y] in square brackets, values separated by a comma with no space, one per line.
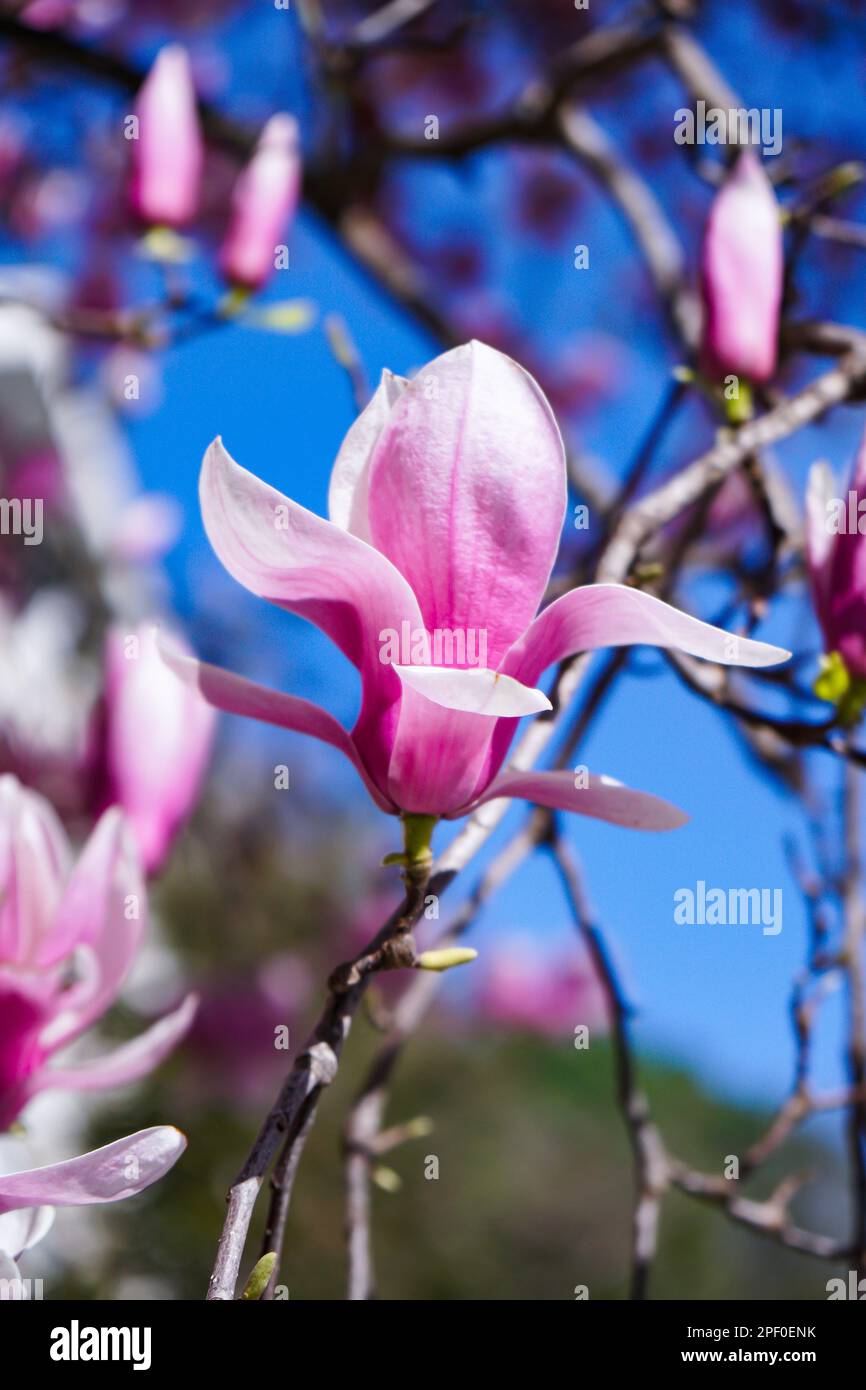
[533,1195]
[534,1189]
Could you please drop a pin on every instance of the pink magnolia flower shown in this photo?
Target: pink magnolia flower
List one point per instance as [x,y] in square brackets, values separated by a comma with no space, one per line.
[109,1174]
[742,271]
[157,742]
[446,504]
[68,936]
[264,200]
[546,995]
[168,155]
[836,551]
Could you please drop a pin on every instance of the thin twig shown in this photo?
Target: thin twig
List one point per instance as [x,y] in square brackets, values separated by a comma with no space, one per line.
[363,1125]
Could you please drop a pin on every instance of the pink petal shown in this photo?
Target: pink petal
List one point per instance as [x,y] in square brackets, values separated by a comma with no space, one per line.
[474,691]
[22,1229]
[287,554]
[350,478]
[125,1064]
[613,615]
[440,758]
[109,1174]
[467,493]
[840,584]
[236,695]
[158,741]
[602,799]
[34,863]
[104,910]
[820,541]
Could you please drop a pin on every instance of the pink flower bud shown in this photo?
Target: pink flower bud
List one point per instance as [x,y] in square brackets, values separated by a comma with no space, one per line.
[836,550]
[264,201]
[741,276]
[168,152]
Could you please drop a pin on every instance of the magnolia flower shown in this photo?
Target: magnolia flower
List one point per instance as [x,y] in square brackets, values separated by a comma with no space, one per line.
[168,152]
[545,994]
[264,200]
[109,1174]
[836,550]
[742,271]
[446,505]
[157,742]
[67,939]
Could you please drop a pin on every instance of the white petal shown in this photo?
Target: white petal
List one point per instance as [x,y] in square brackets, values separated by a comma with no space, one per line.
[475,691]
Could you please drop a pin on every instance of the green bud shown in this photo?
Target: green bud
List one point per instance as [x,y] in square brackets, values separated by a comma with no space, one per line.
[739,408]
[260,1277]
[833,681]
[445,959]
[386,1178]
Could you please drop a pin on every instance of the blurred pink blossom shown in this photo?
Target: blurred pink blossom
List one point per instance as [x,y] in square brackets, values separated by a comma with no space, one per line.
[168,155]
[235,1033]
[158,739]
[541,993]
[263,203]
[68,936]
[837,560]
[742,271]
[147,528]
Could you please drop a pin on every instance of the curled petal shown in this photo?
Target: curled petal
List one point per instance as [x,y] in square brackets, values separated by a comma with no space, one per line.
[104,911]
[602,798]
[282,552]
[20,1230]
[474,690]
[613,615]
[108,1174]
[236,695]
[125,1064]
[287,554]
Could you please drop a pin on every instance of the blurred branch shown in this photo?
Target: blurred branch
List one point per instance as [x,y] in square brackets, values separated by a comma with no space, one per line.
[839,230]
[650,1158]
[384,23]
[842,383]
[634,197]
[767,1218]
[345,351]
[363,1125]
